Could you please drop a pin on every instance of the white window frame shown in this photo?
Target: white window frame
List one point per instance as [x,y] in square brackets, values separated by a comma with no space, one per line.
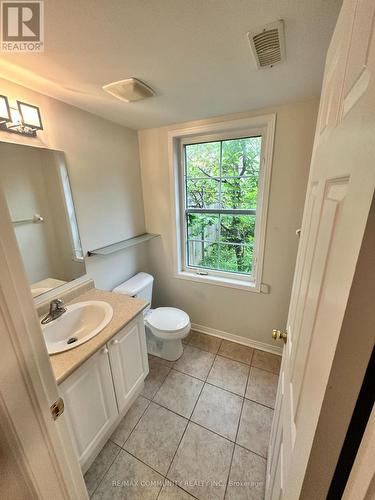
[245,127]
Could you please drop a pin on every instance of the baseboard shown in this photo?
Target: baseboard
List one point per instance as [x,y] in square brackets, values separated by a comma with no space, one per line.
[262,346]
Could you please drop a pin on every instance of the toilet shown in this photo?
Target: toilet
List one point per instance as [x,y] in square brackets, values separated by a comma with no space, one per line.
[165,326]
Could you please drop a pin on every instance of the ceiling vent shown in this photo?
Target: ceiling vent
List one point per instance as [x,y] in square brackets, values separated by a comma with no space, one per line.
[129,90]
[268,44]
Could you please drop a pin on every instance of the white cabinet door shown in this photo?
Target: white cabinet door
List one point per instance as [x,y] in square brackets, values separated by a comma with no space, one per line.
[90,403]
[128,356]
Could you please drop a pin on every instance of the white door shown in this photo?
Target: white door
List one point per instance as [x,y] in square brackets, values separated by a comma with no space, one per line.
[90,404]
[339,195]
[128,355]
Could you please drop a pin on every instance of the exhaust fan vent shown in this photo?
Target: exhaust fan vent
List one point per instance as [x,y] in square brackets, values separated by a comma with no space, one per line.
[268,44]
[129,90]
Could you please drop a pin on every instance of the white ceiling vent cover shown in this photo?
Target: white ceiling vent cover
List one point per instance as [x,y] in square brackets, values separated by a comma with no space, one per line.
[129,90]
[268,44]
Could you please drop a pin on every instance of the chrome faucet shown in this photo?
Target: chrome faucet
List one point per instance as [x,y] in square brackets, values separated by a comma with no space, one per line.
[56,309]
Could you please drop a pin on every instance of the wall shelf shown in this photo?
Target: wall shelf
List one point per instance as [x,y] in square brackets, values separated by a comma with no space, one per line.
[122,245]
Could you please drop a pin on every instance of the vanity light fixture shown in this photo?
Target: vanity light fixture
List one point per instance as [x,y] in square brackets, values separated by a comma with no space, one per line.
[30,116]
[24,119]
[4,110]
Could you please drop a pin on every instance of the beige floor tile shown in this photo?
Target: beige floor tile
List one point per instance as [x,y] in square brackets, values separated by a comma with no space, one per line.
[262,387]
[127,424]
[154,379]
[172,492]
[218,410]
[235,351]
[255,427]
[202,462]
[228,374]
[155,359]
[129,479]
[100,466]
[179,393]
[205,342]
[186,340]
[247,476]
[156,437]
[195,362]
[266,361]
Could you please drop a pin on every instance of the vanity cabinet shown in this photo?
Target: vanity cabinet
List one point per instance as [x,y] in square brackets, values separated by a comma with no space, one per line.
[128,358]
[90,403]
[99,393]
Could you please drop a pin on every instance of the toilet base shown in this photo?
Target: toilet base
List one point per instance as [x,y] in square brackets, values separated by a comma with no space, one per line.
[170,350]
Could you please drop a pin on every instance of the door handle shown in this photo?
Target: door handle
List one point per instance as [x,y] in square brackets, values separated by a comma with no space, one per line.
[279,335]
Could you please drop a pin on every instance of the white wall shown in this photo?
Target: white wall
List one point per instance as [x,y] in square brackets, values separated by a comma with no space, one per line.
[103,163]
[247,314]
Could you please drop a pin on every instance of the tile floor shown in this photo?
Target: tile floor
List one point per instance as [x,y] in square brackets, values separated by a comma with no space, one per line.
[200,428]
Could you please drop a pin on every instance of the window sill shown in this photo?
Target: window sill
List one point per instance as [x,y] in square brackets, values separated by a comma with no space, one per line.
[248,286]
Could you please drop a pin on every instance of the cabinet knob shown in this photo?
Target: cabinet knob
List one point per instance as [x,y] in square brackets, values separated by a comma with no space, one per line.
[116,341]
[104,350]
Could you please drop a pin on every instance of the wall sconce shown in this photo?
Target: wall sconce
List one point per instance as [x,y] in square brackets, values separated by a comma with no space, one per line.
[24,120]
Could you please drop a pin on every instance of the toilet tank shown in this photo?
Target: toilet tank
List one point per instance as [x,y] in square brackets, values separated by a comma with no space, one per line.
[139,286]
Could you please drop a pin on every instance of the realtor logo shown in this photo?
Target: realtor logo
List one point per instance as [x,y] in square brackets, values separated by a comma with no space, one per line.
[22,26]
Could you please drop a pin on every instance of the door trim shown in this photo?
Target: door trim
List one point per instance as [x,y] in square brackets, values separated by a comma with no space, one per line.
[27,384]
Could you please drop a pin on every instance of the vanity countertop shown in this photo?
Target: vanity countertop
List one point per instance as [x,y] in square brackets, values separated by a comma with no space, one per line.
[124,310]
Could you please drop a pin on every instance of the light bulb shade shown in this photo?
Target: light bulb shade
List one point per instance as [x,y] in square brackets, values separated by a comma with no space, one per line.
[30,115]
[4,109]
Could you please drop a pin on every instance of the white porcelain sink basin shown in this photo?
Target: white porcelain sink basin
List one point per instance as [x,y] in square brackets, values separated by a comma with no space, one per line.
[80,323]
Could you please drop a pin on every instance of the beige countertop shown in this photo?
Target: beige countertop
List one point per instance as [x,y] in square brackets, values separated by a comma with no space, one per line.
[124,310]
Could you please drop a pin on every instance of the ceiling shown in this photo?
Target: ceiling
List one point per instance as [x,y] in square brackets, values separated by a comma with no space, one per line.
[193,53]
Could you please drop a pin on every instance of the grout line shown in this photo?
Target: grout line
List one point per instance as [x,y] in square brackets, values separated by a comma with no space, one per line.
[189,375]
[135,425]
[106,471]
[251,451]
[172,411]
[227,390]
[187,425]
[235,360]
[144,463]
[192,421]
[261,404]
[238,428]
[178,487]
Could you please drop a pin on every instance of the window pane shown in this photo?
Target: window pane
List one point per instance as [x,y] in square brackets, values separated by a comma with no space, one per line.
[202,193]
[239,192]
[222,175]
[203,227]
[235,258]
[241,157]
[202,159]
[238,229]
[203,254]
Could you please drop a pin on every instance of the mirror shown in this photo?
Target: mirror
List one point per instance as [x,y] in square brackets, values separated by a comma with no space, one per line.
[36,185]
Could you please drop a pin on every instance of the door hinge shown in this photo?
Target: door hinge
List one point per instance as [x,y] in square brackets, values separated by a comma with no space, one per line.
[57,408]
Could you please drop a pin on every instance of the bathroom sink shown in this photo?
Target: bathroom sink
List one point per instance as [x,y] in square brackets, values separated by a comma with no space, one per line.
[80,323]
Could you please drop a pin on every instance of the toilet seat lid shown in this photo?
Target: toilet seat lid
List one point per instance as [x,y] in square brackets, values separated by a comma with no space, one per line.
[168,319]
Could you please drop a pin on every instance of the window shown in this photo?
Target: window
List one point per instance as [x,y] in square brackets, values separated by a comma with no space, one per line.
[222,182]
